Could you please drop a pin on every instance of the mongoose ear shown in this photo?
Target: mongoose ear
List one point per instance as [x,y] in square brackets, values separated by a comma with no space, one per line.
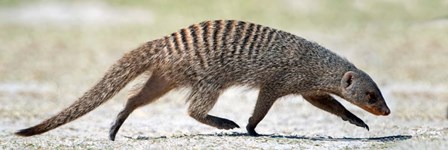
[347,79]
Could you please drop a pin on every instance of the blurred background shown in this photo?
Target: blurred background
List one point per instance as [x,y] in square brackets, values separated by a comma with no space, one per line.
[53,51]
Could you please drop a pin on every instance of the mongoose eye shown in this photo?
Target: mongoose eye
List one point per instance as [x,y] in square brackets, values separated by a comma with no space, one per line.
[371,98]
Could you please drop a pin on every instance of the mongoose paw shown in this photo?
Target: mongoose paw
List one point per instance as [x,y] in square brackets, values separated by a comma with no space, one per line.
[360,123]
[112,134]
[226,124]
[356,121]
[114,129]
[251,131]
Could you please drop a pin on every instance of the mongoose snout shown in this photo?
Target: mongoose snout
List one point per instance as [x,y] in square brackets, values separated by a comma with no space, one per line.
[383,110]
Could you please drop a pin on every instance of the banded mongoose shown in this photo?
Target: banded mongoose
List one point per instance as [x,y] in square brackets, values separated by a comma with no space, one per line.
[211,56]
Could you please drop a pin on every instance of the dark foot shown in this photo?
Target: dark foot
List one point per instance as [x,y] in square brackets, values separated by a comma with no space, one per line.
[116,126]
[251,131]
[356,121]
[121,117]
[225,124]
[114,129]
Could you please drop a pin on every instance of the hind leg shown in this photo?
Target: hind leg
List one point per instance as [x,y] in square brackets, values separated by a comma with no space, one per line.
[202,101]
[154,88]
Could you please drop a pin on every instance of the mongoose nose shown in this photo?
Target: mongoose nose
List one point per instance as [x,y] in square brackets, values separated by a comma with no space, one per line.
[386,112]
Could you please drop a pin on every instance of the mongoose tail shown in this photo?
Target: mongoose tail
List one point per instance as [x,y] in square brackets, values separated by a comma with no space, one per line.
[123,71]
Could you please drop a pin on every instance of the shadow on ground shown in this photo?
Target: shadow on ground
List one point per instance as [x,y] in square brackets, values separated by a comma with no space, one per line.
[317,138]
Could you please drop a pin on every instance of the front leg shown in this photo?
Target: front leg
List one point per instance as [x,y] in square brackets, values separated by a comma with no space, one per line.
[329,104]
[266,99]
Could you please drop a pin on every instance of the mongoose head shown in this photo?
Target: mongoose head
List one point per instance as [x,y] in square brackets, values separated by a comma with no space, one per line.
[358,88]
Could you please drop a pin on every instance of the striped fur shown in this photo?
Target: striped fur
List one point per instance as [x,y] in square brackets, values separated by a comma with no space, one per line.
[211,56]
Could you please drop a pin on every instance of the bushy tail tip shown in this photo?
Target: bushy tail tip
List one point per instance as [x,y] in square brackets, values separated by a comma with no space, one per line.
[27,132]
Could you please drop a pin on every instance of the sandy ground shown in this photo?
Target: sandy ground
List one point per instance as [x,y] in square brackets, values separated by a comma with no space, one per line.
[291,124]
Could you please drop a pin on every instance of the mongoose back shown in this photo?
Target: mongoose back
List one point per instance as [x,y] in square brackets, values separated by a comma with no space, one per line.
[211,56]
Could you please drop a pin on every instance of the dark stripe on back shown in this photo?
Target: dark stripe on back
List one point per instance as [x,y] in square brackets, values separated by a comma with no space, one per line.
[183,36]
[194,34]
[205,37]
[271,38]
[254,41]
[247,36]
[176,42]
[262,42]
[238,36]
[216,28]
[224,39]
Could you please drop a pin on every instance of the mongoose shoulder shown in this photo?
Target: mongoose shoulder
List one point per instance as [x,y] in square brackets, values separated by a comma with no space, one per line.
[211,56]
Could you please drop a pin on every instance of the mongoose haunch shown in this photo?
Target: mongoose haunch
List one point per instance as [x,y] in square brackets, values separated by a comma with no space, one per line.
[213,55]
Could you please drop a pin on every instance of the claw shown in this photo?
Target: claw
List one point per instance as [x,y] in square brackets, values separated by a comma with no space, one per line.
[356,121]
[225,124]
[236,125]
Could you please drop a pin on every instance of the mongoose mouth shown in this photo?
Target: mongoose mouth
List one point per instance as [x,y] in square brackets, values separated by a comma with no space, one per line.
[378,112]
